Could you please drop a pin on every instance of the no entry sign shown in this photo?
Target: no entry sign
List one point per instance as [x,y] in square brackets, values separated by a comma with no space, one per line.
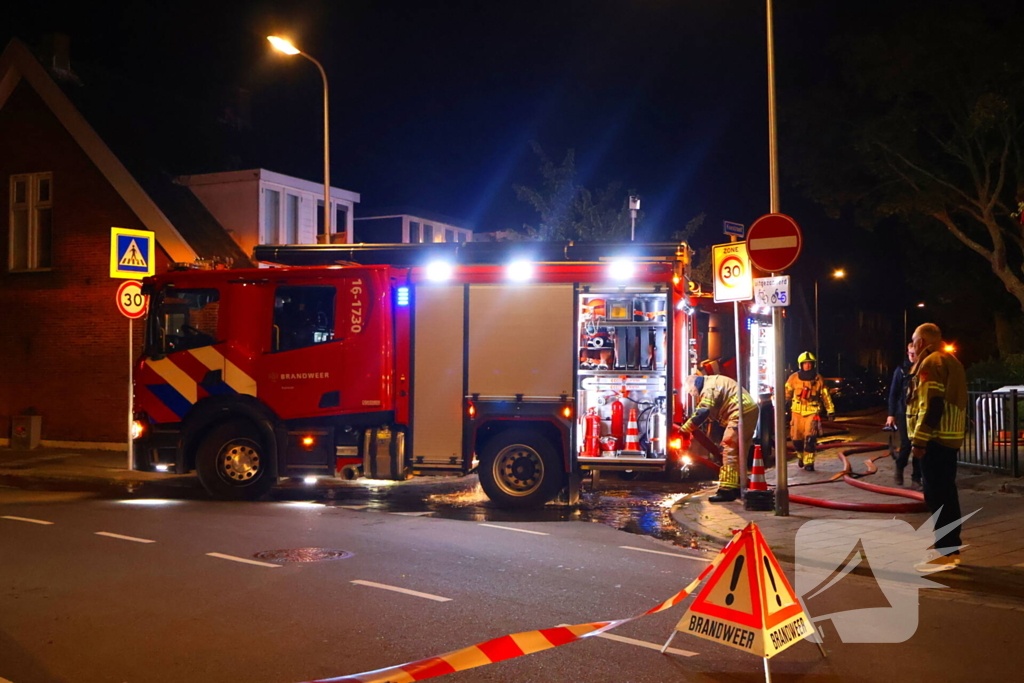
[774,242]
[130,300]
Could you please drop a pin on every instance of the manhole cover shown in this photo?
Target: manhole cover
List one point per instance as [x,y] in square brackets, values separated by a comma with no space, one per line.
[302,555]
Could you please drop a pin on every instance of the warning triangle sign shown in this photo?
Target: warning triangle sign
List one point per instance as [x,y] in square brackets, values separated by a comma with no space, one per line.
[747,602]
[132,256]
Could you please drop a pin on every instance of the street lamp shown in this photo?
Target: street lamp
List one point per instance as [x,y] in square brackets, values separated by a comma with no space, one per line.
[634,206]
[905,342]
[285,46]
[837,274]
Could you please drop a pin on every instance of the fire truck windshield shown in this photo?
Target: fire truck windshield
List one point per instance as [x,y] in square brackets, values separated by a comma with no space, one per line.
[183,319]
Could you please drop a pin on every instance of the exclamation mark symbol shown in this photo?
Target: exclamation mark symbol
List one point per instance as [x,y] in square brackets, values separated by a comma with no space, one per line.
[736,569]
[771,577]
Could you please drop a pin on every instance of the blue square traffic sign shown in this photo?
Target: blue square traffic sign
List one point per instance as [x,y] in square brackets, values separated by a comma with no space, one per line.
[131,253]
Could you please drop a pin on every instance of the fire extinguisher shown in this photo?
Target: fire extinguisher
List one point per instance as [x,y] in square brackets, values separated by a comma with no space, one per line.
[592,429]
[617,422]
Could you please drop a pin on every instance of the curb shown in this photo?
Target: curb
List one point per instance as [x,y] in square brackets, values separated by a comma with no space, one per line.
[991,581]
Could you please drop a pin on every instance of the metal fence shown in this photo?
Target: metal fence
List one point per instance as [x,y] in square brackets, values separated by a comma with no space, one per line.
[994,435]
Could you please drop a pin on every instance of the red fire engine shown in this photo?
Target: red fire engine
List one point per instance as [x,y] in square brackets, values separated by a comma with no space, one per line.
[531,363]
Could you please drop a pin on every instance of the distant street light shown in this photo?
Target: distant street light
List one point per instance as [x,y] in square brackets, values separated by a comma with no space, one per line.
[634,206]
[285,46]
[837,274]
[905,342]
[949,348]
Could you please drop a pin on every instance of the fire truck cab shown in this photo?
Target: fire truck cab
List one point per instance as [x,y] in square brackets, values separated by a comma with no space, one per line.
[530,363]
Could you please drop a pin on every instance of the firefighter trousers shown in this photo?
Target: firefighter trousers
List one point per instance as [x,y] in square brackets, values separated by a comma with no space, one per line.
[729,476]
[805,430]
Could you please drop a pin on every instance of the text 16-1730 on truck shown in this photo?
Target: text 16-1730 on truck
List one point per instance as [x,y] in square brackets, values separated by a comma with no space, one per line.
[389,361]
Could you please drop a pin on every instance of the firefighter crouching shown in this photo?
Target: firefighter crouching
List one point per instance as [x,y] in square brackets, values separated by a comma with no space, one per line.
[806,395]
[716,397]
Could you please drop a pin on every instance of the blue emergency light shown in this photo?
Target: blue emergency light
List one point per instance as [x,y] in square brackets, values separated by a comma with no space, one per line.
[402,296]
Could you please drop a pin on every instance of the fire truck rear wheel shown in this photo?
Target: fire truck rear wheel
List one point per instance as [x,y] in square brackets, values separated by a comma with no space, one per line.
[520,469]
[232,462]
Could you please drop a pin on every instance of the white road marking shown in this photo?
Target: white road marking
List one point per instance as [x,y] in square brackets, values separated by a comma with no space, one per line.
[246,561]
[642,643]
[352,507]
[396,589]
[522,531]
[26,519]
[124,538]
[662,552]
[412,514]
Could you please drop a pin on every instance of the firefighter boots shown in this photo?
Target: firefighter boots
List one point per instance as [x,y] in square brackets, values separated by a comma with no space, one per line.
[724,495]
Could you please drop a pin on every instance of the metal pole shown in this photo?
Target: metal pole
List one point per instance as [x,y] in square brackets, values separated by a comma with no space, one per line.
[131,395]
[742,442]
[817,346]
[782,487]
[1014,440]
[327,158]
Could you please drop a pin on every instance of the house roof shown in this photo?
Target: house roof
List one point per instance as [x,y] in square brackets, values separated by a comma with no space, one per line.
[126,149]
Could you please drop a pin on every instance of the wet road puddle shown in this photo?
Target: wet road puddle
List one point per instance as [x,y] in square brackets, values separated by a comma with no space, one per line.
[637,507]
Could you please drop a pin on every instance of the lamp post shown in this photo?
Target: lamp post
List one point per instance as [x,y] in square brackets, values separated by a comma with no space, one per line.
[285,46]
[634,206]
[837,274]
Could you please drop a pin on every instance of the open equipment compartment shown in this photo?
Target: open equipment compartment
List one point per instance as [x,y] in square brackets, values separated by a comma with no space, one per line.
[623,363]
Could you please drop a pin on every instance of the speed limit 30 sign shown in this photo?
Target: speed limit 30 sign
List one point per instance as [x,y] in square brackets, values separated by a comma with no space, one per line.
[732,273]
[130,300]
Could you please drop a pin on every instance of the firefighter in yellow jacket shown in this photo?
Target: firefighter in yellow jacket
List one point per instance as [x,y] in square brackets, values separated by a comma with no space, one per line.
[806,395]
[716,397]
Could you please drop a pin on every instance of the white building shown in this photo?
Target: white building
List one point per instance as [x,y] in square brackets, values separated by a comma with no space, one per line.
[409,226]
[258,206]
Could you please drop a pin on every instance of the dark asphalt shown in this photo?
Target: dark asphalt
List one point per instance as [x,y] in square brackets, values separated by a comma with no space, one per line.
[77,606]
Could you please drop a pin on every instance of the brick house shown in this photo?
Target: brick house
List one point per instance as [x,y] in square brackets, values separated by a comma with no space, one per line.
[63,345]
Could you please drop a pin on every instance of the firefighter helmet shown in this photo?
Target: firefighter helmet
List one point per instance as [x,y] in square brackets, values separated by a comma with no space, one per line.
[806,357]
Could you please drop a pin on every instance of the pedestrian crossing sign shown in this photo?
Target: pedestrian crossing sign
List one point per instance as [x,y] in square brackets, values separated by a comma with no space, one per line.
[131,253]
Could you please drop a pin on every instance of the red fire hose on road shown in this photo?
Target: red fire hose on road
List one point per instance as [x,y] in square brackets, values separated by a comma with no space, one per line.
[847,475]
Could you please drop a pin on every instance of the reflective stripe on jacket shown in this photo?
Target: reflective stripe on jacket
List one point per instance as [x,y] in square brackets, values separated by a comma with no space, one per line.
[808,397]
[937,376]
[719,398]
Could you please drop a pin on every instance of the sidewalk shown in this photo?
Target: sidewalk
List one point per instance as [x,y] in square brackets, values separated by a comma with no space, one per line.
[992,562]
[57,465]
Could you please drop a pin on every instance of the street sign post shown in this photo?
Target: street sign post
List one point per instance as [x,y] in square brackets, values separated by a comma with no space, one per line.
[131,301]
[774,242]
[732,273]
[132,253]
[771,291]
[733,229]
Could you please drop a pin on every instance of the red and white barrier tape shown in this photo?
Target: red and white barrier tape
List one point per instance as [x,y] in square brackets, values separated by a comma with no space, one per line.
[508,647]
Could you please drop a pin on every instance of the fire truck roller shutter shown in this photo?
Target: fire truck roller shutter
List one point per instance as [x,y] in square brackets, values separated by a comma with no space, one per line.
[522,345]
[521,340]
[438,375]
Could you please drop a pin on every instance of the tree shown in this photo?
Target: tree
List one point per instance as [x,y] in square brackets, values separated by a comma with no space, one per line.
[569,211]
[923,127]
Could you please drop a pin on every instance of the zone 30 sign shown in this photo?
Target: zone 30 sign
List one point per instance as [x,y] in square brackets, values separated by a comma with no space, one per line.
[733,281]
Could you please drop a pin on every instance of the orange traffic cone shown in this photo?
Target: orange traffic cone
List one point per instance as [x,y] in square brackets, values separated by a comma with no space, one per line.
[757,482]
[632,435]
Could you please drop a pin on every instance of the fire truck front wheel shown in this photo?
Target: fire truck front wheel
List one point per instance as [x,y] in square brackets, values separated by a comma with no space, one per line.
[520,469]
[233,463]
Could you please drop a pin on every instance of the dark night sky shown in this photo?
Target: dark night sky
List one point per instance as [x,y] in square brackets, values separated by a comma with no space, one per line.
[433,103]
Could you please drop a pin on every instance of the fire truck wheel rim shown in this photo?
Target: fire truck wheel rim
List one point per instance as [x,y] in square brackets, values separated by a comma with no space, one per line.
[239,462]
[518,470]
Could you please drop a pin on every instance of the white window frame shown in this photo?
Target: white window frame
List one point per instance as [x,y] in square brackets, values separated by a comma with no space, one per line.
[284,217]
[32,205]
